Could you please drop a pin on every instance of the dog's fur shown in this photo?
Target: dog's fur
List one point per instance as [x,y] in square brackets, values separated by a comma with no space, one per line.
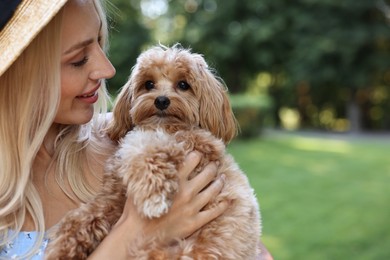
[173,104]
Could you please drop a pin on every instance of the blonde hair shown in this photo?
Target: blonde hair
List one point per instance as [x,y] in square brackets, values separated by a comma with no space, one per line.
[29,97]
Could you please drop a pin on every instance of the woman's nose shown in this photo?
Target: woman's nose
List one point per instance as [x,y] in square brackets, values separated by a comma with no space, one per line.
[103,67]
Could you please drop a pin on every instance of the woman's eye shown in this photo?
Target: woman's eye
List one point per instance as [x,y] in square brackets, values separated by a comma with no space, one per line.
[149,85]
[80,62]
[183,85]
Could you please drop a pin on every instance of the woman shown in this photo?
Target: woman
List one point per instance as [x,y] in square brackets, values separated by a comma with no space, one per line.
[52,143]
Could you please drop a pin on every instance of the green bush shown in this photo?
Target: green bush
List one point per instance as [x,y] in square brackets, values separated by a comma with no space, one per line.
[250,112]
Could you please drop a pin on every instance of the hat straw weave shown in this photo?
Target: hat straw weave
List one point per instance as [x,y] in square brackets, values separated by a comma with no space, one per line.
[28,20]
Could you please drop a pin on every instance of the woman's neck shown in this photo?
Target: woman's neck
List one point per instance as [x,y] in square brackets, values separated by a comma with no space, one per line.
[50,138]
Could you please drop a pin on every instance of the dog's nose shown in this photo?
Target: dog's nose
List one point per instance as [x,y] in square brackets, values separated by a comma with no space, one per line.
[162,102]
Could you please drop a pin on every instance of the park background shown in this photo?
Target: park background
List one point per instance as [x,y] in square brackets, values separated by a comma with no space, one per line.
[310,85]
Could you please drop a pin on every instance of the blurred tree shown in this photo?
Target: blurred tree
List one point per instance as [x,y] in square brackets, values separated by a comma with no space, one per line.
[128,36]
[327,58]
[339,49]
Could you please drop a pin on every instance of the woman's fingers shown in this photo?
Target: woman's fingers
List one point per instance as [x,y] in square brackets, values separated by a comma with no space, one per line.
[190,163]
[208,215]
[204,178]
[198,192]
[204,197]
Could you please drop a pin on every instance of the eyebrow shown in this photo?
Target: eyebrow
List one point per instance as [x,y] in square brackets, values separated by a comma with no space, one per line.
[83,43]
[79,45]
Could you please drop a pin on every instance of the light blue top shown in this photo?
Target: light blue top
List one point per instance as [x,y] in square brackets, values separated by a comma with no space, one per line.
[21,245]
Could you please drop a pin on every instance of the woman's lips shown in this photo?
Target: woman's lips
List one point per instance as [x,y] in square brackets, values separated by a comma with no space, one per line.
[90,97]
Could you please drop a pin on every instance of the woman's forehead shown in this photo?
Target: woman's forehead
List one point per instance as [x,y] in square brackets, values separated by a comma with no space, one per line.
[81,23]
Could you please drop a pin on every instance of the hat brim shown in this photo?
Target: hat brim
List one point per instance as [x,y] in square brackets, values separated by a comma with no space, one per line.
[30,17]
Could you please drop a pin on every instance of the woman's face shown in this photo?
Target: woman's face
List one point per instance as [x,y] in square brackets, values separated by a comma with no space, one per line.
[83,63]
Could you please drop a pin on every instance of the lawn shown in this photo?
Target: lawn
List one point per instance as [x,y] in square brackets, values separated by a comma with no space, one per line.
[320,198]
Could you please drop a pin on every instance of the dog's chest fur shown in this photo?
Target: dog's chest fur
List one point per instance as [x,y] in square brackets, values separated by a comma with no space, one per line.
[148,164]
[158,142]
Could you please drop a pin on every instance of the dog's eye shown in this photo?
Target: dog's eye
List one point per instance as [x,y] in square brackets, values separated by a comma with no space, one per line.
[183,85]
[149,85]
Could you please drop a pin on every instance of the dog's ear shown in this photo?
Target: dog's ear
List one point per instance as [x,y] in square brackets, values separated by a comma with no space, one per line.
[121,122]
[216,113]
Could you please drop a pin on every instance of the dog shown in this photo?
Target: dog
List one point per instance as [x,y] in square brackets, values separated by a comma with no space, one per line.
[173,103]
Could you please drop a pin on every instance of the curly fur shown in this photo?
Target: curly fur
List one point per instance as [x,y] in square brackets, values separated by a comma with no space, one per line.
[173,104]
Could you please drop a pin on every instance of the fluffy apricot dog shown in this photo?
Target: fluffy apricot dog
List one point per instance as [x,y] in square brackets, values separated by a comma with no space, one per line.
[172,104]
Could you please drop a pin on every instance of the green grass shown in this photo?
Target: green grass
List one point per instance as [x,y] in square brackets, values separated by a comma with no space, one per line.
[320,198]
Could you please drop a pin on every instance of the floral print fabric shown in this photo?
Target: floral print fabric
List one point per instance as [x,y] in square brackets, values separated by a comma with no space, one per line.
[21,245]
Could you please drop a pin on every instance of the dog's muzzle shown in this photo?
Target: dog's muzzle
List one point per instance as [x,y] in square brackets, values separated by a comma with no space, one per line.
[162,102]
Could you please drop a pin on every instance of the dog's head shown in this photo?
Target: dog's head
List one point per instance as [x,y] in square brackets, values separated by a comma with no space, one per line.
[173,87]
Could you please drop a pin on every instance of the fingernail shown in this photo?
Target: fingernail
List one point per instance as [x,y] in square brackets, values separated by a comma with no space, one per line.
[217,163]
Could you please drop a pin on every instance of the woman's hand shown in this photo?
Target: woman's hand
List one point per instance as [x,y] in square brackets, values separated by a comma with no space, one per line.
[184,217]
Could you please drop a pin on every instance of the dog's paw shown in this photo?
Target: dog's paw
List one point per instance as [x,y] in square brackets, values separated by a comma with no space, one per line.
[155,206]
[148,163]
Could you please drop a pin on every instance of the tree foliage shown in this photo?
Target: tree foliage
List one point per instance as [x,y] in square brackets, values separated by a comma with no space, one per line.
[320,56]
[128,36]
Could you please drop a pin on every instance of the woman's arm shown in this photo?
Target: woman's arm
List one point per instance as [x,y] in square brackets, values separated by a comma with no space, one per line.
[183,219]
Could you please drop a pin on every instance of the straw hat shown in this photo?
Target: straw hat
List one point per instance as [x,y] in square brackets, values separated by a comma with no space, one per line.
[20,22]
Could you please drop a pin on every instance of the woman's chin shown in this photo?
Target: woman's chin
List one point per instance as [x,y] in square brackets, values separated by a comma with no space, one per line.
[76,117]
